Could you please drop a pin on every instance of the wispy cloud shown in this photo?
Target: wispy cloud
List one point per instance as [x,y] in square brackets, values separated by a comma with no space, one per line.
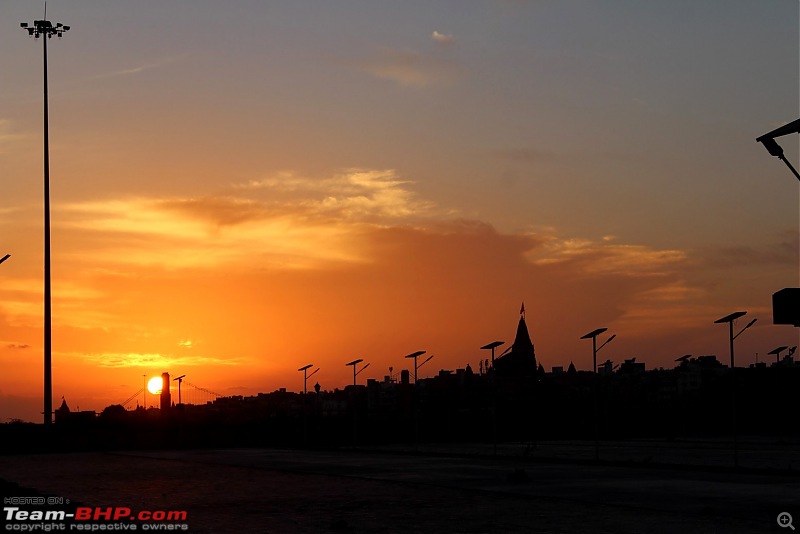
[409,68]
[443,38]
[356,194]
[137,69]
[284,220]
[153,360]
[607,257]
[785,250]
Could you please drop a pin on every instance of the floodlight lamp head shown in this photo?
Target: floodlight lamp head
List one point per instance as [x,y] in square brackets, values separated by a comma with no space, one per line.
[772,147]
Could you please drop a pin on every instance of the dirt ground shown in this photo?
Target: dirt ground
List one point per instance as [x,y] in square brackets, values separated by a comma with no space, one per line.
[292,491]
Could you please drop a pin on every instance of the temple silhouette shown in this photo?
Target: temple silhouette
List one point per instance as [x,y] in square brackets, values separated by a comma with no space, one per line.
[520,361]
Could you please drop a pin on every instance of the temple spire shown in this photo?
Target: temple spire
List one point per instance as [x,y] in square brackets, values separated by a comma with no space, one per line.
[522,309]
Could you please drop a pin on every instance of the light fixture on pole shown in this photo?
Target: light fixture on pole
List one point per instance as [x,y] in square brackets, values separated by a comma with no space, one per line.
[491,346]
[45,28]
[772,146]
[777,352]
[730,319]
[593,335]
[416,355]
[354,396]
[306,376]
[354,363]
[180,381]
[4,258]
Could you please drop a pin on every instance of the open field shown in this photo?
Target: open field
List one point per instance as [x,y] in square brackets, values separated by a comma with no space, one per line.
[266,490]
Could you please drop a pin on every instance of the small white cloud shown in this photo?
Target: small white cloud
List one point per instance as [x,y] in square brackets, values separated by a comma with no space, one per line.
[443,38]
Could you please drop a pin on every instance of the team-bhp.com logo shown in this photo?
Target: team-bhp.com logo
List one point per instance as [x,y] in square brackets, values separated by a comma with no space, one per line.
[94,519]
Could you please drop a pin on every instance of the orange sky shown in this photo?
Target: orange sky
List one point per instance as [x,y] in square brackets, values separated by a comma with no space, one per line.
[378,181]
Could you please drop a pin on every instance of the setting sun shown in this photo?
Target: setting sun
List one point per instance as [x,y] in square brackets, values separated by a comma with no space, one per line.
[154,385]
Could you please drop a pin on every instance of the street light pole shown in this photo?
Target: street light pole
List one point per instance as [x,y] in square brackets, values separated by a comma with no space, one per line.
[593,334]
[45,28]
[354,396]
[491,346]
[730,319]
[305,369]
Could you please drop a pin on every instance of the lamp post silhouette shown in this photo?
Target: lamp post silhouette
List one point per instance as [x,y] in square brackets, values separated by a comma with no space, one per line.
[593,335]
[306,376]
[730,319]
[45,28]
[416,355]
[491,346]
[354,363]
[180,381]
[777,352]
[772,146]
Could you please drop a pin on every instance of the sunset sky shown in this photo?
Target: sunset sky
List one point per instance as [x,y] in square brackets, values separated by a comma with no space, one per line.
[242,188]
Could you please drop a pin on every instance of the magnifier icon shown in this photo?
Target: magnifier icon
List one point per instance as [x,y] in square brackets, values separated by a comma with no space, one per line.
[785,520]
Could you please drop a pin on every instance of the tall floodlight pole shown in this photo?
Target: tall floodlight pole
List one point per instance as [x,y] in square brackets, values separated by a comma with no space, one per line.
[593,334]
[45,28]
[730,319]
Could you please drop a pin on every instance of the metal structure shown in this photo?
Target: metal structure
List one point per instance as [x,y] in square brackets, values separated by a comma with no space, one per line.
[491,346]
[46,29]
[772,146]
[354,364]
[777,352]
[179,380]
[593,335]
[306,376]
[730,319]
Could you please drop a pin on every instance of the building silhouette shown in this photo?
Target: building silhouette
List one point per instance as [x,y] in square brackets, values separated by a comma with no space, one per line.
[520,361]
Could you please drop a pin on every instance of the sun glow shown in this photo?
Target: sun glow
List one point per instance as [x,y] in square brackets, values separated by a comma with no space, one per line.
[154,385]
